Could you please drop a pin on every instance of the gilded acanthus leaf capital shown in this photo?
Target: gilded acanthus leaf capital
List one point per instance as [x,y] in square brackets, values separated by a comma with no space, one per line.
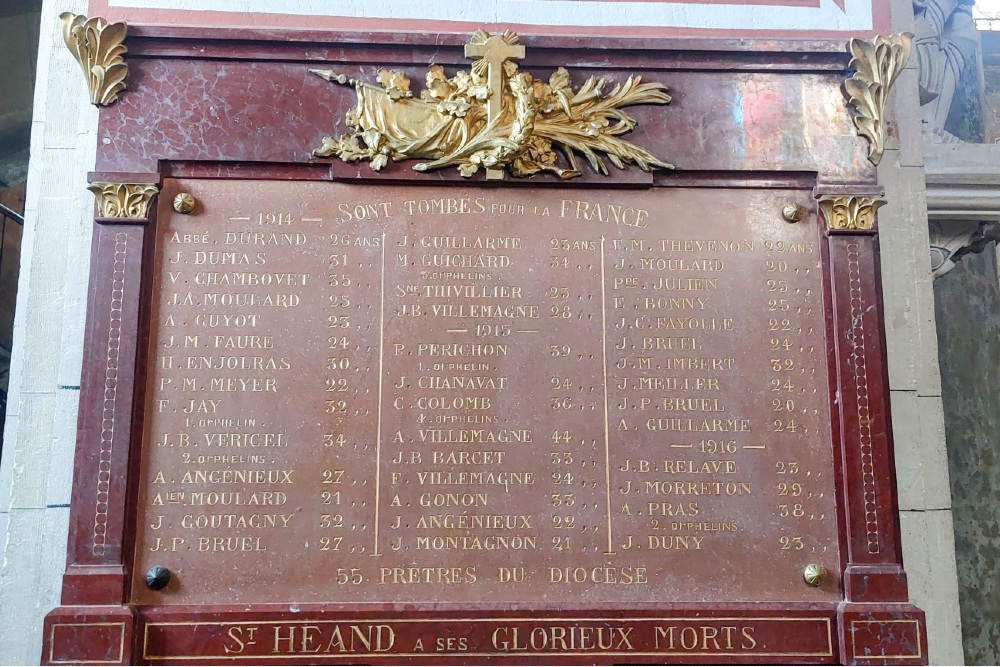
[876,65]
[850,212]
[124,200]
[99,47]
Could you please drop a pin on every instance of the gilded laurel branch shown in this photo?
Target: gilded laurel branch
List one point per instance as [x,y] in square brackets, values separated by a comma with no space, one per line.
[494,119]
[98,46]
[876,65]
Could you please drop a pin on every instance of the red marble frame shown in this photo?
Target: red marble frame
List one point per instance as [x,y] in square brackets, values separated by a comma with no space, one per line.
[142,141]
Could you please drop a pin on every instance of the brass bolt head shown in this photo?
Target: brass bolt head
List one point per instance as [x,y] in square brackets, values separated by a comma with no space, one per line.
[814,574]
[793,212]
[184,203]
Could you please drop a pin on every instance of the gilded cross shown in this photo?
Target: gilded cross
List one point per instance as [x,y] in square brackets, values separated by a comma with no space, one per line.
[495,51]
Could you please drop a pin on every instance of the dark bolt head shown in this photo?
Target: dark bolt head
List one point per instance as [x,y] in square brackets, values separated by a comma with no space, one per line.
[157,578]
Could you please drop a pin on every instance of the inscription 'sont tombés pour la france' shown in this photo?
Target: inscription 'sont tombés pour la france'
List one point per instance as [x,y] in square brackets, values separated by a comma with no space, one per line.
[415,394]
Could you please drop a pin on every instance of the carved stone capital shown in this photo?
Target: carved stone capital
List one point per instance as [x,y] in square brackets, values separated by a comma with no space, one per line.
[876,65]
[963,201]
[98,46]
[124,200]
[850,212]
[951,241]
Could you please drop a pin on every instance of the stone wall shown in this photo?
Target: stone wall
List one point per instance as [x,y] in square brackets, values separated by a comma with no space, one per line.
[968,313]
[18,49]
[40,431]
[914,377]
[991,86]
[10,252]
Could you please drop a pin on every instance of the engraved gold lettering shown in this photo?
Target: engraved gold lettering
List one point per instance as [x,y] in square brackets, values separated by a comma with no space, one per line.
[673,264]
[312,639]
[215,257]
[427,575]
[555,638]
[685,284]
[700,467]
[686,425]
[616,214]
[675,542]
[463,261]
[476,521]
[599,575]
[236,498]
[452,644]
[465,478]
[219,363]
[697,488]
[461,382]
[364,211]
[671,509]
[710,245]
[242,637]
[485,310]
[237,477]
[199,521]
[475,543]
[243,439]
[263,238]
[445,206]
[230,544]
[216,320]
[243,342]
[454,499]
[177,237]
[473,243]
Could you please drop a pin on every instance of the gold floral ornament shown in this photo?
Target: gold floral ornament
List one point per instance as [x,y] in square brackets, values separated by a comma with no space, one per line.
[493,117]
[123,200]
[876,65]
[98,46]
[850,212]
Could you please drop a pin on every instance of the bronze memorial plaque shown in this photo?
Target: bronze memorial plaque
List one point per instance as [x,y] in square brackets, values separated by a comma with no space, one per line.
[397,393]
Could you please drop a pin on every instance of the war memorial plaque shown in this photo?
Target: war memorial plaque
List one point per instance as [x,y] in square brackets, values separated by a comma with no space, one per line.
[395,394]
[334,414]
